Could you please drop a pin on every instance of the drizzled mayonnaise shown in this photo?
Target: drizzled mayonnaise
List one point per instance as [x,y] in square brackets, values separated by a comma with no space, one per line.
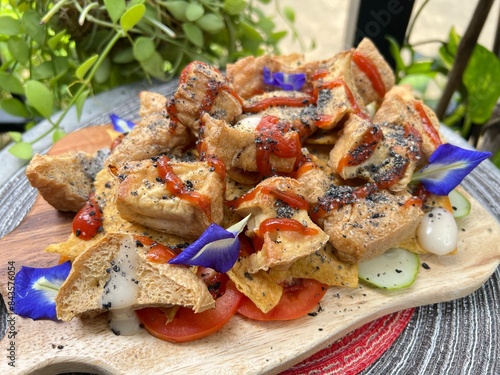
[438,232]
[120,290]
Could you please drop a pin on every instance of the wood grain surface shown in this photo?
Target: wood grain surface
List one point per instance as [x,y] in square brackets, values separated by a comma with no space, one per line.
[246,347]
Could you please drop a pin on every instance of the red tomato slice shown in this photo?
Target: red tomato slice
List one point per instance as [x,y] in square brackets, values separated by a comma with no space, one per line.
[189,326]
[296,301]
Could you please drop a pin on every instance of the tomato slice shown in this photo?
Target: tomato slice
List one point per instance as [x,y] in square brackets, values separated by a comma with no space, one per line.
[297,300]
[189,326]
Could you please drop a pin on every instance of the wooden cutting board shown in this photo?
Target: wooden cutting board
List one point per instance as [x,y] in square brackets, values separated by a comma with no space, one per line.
[243,346]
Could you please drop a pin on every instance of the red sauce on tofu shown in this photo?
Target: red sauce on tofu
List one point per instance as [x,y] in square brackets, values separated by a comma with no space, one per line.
[285,225]
[366,65]
[278,101]
[356,109]
[157,253]
[117,141]
[172,111]
[176,187]
[275,138]
[429,129]
[292,199]
[364,150]
[88,221]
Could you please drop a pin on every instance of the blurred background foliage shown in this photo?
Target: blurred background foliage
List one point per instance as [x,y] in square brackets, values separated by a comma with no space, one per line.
[53,55]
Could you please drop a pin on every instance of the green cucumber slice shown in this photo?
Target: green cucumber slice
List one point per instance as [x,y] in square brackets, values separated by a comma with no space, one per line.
[397,268]
[459,204]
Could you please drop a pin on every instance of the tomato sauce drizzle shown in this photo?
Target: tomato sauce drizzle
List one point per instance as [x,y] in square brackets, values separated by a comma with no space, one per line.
[157,253]
[294,200]
[271,140]
[366,65]
[364,150]
[88,221]
[278,101]
[176,187]
[285,225]
[429,129]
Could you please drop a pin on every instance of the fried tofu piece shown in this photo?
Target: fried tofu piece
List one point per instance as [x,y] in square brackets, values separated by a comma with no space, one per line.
[366,227]
[154,135]
[386,154]
[65,181]
[237,146]
[153,284]
[367,54]
[143,198]
[400,107]
[258,286]
[203,89]
[337,93]
[324,266]
[247,74]
[152,102]
[281,221]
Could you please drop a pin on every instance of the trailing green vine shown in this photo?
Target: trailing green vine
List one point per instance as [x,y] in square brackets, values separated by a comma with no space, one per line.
[54,55]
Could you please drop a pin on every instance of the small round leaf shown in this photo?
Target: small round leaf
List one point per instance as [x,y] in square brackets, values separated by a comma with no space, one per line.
[144,48]
[177,9]
[194,11]
[193,33]
[58,134]
[22,150]
[14,107]
[85,66]
[210,23]
[9,26]
[39,97]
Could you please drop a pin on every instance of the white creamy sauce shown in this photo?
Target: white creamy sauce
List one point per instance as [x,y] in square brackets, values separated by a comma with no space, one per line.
[249,123]
[120,290]
[438,232]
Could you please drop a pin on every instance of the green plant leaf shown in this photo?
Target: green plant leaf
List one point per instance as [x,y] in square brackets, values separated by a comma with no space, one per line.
[10,83]
[144,48]
[85,66]
[9,26]
[154,65]
[58,134]
[32,26]
[395,51]
[418,82]
[115,9]
[103,71]
[177,9]
[80,101]
[16,136]
[39,97]
[19,49]
[22,150]
[234,7]
[496,159]
[289,14]
[193,33]
[123,56]
[132,16]
[56,40]
[211,23]
[15,107]
[194,11]
[482,80]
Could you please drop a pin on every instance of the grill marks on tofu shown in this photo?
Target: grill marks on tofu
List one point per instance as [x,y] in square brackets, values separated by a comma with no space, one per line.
[203,89]
[143,197]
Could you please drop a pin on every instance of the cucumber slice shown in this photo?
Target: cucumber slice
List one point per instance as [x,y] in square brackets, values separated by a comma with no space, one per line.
[459,204]
[395,269]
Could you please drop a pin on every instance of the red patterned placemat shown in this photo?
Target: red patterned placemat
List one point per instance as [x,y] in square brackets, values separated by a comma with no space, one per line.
[357,350]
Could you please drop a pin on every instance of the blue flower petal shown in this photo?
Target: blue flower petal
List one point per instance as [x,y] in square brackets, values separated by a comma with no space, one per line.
[36,290]
[121,125]
[216,248]
[284,81]
[448,166]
